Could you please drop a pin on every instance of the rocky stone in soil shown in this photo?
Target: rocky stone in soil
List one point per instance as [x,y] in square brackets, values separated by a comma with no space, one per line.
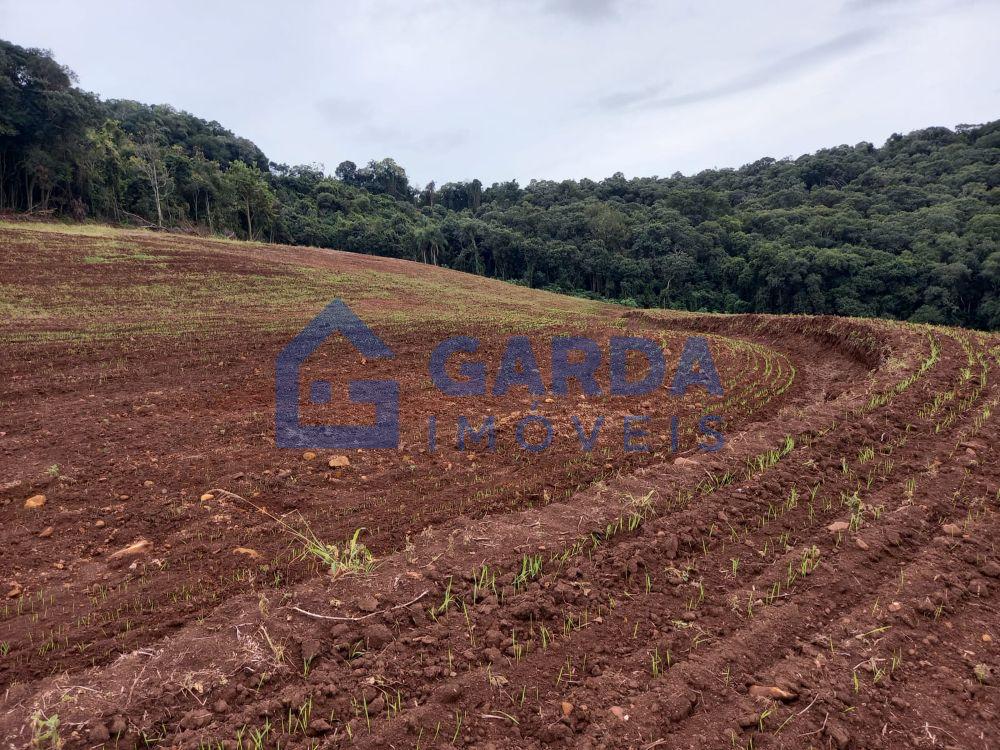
[34,502]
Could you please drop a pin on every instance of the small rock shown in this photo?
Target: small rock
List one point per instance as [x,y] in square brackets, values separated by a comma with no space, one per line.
[619,713]
[35,501]
[148,483]
[685,463]
[771,691]
[45,533]
[208,496]
[308,456]
[951,529]
[338,462]
[251,553]
[987,638]
[99,523]
[838,526]
[15,591]
[136,548]
[861,543]
[567,708]
[895,606]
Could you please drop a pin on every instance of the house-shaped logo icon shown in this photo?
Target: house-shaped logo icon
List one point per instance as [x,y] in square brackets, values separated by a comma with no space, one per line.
[337,317]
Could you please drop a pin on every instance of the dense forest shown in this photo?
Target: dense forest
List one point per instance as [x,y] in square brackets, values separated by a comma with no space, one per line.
[910,230]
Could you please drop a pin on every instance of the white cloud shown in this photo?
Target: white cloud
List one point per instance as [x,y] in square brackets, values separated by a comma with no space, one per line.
[548,89]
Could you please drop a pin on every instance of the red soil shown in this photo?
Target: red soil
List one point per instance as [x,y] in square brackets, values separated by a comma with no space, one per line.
[702,602]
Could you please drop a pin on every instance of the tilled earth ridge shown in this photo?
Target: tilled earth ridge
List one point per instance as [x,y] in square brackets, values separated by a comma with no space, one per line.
[827,580]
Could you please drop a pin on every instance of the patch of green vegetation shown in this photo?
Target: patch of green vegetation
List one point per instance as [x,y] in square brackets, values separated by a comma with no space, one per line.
[117,252]
[16,306]
[113,285]
[67,227]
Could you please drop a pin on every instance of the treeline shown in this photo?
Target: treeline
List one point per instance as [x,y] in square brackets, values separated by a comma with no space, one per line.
[910,230]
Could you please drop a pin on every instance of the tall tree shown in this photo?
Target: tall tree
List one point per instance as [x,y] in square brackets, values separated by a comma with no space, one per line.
[253,195]
[148,160]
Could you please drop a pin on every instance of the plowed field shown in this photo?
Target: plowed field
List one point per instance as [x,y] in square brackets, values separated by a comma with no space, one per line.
[830,578]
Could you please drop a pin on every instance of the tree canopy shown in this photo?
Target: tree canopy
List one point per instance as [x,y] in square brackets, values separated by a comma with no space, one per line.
[908,230]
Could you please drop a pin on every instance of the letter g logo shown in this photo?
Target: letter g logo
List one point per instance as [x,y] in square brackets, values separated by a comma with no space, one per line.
[337,317]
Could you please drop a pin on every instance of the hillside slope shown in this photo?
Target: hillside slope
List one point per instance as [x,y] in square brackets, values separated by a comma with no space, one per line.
[816,582]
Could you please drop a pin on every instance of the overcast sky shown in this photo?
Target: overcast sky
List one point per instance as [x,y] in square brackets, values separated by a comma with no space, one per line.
[548,88]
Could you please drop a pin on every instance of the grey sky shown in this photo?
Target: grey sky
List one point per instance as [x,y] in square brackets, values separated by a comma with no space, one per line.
[536,88]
